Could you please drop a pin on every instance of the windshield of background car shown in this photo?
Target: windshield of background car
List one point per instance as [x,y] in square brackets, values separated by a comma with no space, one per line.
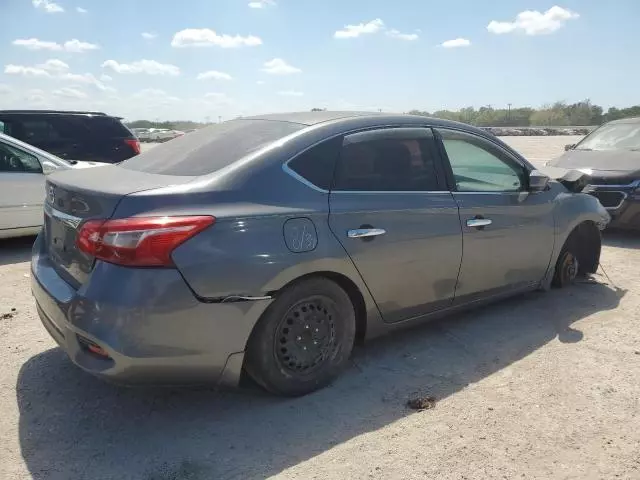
[210,149]
[616,136]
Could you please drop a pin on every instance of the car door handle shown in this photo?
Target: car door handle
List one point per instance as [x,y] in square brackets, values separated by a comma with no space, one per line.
[365,232]
[478,222]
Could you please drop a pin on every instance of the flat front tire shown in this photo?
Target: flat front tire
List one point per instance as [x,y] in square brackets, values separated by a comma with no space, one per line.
[304,339]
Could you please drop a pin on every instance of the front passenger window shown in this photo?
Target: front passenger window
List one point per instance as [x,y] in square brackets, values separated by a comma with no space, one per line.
[479,166]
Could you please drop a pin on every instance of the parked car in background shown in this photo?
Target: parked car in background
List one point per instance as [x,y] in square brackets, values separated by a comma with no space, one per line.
[143,134]
[163,134]
[611,156]
[271,244]
[22,178]
[82,136]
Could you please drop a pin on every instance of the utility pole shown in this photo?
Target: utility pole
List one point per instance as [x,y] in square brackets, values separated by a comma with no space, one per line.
[509,111]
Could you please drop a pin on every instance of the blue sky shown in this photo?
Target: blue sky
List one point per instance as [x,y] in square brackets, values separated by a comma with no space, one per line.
[210,58]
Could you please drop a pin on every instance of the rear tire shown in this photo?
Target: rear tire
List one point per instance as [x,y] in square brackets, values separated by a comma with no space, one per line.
[303,340]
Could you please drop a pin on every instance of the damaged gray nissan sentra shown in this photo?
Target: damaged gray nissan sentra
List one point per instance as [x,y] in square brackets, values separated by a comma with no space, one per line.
[270,245]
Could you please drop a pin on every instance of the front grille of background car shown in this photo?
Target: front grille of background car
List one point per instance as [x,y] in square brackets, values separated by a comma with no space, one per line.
[611,180]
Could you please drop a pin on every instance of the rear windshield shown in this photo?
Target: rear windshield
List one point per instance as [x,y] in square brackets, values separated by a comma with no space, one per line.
[210,149]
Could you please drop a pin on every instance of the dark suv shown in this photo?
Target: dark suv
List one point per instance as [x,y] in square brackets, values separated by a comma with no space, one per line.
[84,136]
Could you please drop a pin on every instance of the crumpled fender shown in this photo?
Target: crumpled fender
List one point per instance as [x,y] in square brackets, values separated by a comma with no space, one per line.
[572,180]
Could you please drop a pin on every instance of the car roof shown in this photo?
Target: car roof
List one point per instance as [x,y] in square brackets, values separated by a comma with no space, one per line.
[315,118]
[625,120]
[54,112]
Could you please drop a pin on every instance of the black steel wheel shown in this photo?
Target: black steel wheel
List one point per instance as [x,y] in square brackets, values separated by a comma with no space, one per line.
[306,336]
[303,340]
[567,268]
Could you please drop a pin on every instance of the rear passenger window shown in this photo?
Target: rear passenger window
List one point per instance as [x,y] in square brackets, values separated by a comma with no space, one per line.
[36,131]
[392,160]
[317,164]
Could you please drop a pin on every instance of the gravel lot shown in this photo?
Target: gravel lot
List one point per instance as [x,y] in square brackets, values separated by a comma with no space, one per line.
[540,386]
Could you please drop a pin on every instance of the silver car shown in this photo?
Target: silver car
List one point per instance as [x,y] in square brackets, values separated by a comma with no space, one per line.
[270,245]
[23,169]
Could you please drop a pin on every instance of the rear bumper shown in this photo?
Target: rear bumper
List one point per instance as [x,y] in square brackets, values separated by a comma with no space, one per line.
[622,203]
[147,321]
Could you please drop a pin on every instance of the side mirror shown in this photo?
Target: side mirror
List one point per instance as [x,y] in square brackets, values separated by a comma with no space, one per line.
[538,181]
[48,167]
[570,146]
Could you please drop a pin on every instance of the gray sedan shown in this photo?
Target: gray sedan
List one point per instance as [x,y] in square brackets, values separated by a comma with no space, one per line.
[271,245]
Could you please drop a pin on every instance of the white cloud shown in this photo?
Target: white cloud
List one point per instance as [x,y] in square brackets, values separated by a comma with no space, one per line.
[68,92]
[291,93]
[106,78]
[260,82]
[54,66]
[218,98]
[155,96]
[5,89]
[81,10]
[262,4]
[76,46]
[72,46]
[35,44]
[86,79]
[402,36]
[532,22]
[353,31]
[57,70]
[204,37]
[455,43]
[149,67]
[149,35]
[35,97]
[277,66]
[215,95]
[48,6]
[25,71]
[214,75]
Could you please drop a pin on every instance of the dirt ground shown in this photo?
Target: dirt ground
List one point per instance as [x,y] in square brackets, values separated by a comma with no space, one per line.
[545,385]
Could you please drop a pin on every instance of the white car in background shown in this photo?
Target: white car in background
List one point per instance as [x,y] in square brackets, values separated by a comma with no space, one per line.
[22,179]
[143,134]
[163,134]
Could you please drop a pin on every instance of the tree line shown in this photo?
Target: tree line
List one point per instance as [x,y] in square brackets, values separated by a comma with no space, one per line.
[559,114]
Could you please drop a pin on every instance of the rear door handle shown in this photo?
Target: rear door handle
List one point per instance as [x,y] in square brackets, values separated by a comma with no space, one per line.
[365,232]
[478,222]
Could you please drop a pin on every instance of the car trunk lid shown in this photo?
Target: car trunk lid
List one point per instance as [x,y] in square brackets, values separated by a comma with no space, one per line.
[78,195]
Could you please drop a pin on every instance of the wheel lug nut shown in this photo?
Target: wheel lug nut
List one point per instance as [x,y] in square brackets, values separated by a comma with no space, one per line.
[298,338]
[306,326]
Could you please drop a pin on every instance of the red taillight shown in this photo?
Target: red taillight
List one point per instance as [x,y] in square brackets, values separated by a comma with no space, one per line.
[134,144]
[139,242]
